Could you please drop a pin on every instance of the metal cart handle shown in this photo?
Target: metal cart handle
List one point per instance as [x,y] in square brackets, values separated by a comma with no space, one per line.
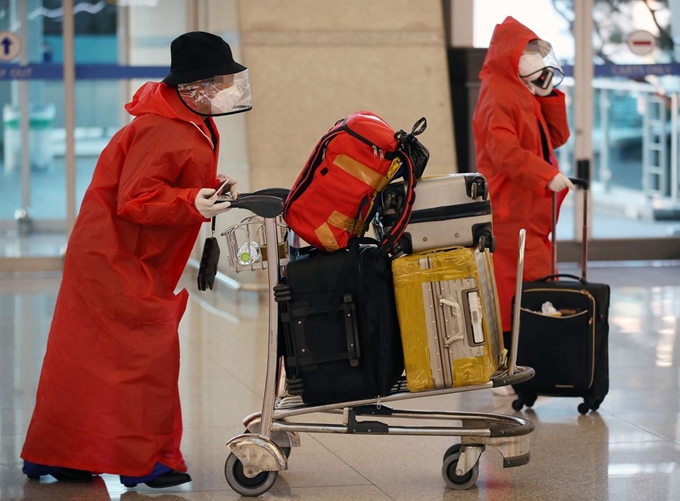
[512,362]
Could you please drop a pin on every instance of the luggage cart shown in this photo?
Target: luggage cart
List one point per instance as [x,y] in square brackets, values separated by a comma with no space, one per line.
[257,455]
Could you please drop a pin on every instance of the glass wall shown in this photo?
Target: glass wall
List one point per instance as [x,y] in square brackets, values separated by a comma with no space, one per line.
[33,174]
[34,183]
[117,47]
[29,166]
[635,109]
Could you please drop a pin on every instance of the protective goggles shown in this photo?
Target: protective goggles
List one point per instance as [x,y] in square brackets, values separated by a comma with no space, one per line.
[546,70]
[219,95]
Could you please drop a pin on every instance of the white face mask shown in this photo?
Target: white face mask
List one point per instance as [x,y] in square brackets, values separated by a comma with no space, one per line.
[225,100]
[219,95]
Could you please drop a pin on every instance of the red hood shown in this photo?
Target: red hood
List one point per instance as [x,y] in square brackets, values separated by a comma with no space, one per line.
[507,43]
[160,99]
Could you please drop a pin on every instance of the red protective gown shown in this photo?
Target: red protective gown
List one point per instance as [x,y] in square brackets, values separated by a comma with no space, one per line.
[507,127]
[108,399]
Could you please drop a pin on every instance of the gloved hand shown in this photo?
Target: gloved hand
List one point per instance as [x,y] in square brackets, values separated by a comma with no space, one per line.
[206,203]
[560,182]
[230,185]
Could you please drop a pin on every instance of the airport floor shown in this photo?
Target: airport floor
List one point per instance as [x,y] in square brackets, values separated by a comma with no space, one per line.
[627,451]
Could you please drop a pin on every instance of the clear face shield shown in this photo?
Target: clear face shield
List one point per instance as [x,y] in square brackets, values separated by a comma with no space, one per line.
[539,68]
[220,95]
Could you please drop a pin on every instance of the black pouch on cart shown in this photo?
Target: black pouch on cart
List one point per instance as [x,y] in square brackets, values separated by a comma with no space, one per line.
[569,352]
[339,326]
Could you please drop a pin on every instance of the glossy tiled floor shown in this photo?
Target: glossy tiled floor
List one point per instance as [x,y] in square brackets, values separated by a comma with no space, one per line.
[629,450]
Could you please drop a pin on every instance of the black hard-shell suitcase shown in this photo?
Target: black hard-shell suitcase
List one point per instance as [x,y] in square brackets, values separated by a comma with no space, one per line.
[341,339]
[570,352]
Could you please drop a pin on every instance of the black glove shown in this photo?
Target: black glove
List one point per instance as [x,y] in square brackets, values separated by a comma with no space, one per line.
[207,269]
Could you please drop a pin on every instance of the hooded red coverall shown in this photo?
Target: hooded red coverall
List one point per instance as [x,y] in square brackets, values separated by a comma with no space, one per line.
[108,399]
[508,123]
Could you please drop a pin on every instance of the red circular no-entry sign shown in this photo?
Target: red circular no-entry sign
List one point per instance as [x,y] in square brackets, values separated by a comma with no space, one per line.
[641,42]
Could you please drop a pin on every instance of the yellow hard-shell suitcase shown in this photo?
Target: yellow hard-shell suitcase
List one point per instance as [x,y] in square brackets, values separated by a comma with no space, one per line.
[448,317]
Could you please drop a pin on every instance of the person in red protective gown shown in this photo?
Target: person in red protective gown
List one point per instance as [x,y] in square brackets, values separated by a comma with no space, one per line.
[519,119]
[108,400]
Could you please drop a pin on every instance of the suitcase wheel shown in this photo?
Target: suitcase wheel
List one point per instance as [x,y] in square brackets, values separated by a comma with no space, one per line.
[583,408]
[522,400]
[486,241]
[479,188]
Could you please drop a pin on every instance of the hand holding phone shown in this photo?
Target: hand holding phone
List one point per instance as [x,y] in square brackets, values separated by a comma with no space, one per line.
[227,188]
[219,191]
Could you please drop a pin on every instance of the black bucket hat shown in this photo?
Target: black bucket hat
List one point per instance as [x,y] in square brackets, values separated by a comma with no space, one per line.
[198,55]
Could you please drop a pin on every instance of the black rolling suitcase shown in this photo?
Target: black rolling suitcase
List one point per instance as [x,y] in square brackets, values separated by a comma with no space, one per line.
[569,352]
[340,332]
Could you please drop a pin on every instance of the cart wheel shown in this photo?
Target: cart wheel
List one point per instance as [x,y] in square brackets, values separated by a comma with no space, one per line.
[583,408]
[454,449]
[454,481]
[517,405]
[530,401]
[237,480]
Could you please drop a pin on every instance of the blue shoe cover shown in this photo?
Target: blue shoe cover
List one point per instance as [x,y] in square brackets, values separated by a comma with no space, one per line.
[158,470]
[34,470]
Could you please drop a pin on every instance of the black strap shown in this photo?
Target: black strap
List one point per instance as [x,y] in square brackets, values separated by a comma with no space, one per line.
[345,272]
[213,136]
[544,143]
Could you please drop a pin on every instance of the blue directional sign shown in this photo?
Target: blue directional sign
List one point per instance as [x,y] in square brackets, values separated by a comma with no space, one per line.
[10,45]
[630,70]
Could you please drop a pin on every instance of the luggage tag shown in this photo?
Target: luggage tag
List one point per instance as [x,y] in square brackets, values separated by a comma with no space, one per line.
[207,268]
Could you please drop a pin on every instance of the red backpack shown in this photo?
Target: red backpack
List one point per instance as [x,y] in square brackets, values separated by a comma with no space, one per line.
[333,198]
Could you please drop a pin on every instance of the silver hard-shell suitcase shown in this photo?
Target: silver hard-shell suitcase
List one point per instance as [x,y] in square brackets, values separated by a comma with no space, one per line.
[448,315]
[449,211]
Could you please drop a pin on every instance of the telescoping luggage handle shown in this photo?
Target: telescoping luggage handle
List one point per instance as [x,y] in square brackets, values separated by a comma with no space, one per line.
[583,184]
